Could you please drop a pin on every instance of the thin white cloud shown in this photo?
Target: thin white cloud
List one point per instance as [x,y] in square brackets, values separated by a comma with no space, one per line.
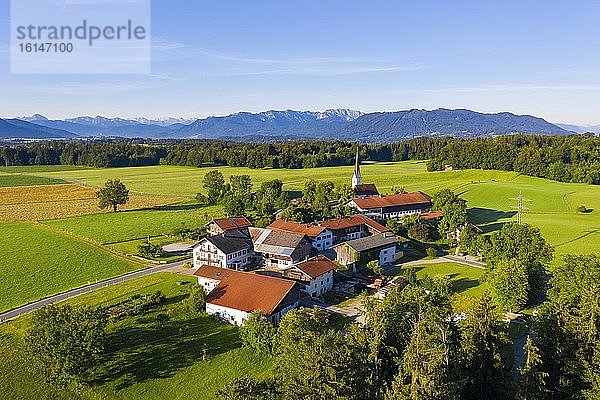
[512,88]
[325,70]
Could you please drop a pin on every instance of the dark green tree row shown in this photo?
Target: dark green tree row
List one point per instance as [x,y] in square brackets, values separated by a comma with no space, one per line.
[197,153]
[562,158]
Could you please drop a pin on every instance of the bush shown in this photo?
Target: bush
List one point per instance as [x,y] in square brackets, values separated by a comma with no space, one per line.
[258,333]
[150,250]
[431,252]
[375,267]
[135,305]
[196,301]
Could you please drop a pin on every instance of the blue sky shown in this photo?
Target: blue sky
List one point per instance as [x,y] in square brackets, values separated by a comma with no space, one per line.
[219,57]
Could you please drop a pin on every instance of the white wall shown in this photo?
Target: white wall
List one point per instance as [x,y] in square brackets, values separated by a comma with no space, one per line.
[387,255]
[232,316]
[208,284]
[323,241]
[320,284]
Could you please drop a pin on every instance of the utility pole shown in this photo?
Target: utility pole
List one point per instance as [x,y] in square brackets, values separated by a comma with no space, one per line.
[520,206]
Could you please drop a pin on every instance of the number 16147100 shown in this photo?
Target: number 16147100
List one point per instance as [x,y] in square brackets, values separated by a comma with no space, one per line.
[46,47]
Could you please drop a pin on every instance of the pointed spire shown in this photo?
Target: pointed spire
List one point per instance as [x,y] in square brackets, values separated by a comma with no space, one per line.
[356,178]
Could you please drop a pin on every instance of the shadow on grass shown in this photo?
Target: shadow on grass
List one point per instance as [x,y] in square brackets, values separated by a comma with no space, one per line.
[482,216]
[179,207]
[462,284]
[161,348]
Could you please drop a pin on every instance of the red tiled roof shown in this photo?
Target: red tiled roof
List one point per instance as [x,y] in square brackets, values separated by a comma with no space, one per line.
[317,266]
[353,220]
[432,215]
[230,223]
[368,189]
[245,291]
[295,227]
[393,200]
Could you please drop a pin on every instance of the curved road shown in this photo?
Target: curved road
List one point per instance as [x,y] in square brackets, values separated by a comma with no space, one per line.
[26,309]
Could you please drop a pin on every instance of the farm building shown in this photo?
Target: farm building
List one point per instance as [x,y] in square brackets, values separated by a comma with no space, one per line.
[358,252]
[221,225]
[322,238]
[233,295]
[353,227]
[280,249]
[231,250]
[315,274]
[392,206]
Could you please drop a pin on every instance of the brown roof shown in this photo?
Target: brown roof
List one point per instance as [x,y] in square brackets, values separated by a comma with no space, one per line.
[245,291]
[317,266]
[309,230]
[432,215]
[393,200]
[354,220]
[232,222]
[368,189]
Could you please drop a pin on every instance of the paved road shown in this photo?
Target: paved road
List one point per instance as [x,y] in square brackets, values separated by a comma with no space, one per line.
[26,309]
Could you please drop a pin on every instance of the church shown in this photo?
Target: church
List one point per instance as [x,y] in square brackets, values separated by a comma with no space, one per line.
[369,202]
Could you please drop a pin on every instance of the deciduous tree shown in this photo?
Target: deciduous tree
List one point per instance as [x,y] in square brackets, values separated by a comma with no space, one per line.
[113,194]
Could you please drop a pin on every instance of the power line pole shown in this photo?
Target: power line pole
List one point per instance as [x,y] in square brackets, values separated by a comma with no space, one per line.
[520,206]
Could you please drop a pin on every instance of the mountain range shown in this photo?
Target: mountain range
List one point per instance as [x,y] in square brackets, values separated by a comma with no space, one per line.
[343,124]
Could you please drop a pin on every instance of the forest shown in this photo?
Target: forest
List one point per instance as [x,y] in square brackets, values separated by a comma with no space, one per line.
[574,158]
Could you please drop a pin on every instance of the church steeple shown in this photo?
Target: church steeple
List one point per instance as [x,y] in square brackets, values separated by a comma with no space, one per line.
[356,178]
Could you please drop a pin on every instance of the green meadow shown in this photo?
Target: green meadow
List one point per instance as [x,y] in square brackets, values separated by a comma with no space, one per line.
[37,263]
[147,357]
[127,225]
[491,195]
[187,181]
[8,180]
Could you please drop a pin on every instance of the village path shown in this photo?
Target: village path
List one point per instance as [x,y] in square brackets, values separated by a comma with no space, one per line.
[176,267]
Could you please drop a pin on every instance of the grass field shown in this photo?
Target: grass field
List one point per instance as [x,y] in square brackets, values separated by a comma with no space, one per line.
[187,181]
[146,359]
[36,263]
[489,193]
[121,226]
[465,281]
[464,278]
[7,180]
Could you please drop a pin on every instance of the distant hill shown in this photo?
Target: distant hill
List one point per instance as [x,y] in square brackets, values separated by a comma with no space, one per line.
[388,126]
[268,123]
[340,124]
[580,128]
[16,128]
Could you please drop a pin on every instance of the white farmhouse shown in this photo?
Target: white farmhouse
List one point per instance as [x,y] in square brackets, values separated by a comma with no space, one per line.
[231,251]
[233,295]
